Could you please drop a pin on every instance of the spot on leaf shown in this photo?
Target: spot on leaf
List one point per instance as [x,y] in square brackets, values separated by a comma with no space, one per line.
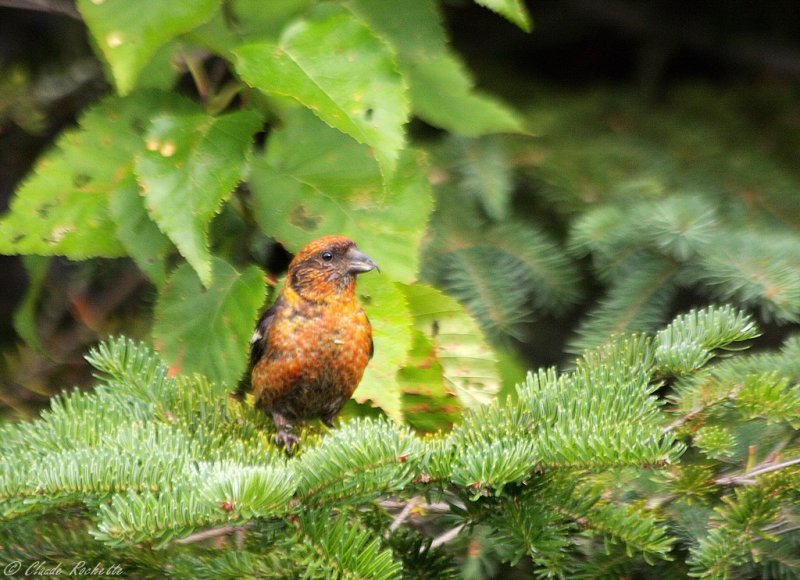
[138,126]
[44,210]
[300,217]
[58,234]
[80,180]
[114,39]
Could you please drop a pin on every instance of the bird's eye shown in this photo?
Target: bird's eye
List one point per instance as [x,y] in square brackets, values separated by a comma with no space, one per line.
[327,256]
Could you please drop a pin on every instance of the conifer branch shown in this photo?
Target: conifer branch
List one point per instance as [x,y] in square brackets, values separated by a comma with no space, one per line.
[212,533]
[749,476]
[190,468]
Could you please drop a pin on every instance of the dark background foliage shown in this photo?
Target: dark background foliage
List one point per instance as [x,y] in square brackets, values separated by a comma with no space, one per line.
[622,163]
[637,55]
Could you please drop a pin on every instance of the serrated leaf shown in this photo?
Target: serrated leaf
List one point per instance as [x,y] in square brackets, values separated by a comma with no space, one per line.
[129,33]
[386,307]
[313,153]
[63,208]
[441,89]
[246,21]
[513,10]
[335,65]
[414,31]
[469,365]
[442,94]
[190,165]
[141,237]
[315,181]
[427,404]
[207,330]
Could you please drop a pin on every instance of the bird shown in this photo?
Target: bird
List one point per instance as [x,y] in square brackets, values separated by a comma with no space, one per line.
[310,348]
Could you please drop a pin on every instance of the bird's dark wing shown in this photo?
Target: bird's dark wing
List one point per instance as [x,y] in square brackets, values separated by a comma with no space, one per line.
[371,342]
[258,341]
[258,345]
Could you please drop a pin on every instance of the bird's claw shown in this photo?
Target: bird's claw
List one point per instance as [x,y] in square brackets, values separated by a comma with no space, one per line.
[288,440]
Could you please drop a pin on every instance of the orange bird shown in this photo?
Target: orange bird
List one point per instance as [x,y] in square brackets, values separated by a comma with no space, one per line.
[310,348]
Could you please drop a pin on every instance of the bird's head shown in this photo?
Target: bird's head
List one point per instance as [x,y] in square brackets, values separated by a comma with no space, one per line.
[327,268]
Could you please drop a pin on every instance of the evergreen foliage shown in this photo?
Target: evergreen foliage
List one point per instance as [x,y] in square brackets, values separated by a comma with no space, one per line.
[582,473]
[661,450]
[652,207]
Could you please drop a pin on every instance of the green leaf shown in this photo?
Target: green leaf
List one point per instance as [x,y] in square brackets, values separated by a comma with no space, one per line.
[63,208]
[416,31]
[335,65]
[386,308]
[313,153]
[469,365]
[141,237]
[128,34]
[442,94]
[441,89]
[25,315]
[513,10]
[206,330]
[315,181]
[427,404]
[190,166]
[246,21]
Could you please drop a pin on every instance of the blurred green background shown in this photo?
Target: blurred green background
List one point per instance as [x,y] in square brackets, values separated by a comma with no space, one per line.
[627,102]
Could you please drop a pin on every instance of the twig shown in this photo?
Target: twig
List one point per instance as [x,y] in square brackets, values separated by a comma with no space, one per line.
[699,409]
[438,507]
[788,530]
[402,516]
[212,533]
[749,477]
[448,536]
[53,6]
[682,420]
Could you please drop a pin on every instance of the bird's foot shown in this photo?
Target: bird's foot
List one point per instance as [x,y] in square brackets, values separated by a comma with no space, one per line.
[288,440]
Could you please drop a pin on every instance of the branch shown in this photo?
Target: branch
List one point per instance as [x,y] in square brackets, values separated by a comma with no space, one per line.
[749,477]
[448,536]
[438,507]
[699,409]
[212,533]
[402,516]
[63,7]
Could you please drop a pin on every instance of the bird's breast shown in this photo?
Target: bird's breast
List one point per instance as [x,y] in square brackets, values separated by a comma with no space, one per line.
[317,354]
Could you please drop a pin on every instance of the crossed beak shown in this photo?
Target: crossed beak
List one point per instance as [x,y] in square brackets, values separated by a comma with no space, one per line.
[358,262]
